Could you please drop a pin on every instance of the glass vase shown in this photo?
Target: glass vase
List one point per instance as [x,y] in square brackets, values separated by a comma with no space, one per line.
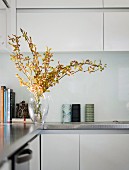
[38,109]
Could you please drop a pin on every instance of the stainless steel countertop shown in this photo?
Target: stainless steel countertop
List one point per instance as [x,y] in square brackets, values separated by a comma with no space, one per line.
[105,125]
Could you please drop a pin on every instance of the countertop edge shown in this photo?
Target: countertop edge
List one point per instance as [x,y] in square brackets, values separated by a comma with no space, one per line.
[59,128]
[10,150]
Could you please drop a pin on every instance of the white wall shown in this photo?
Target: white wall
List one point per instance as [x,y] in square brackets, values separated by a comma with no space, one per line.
[108,90]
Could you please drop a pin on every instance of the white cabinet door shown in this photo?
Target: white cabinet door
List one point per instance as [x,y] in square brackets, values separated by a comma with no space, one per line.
[59,3]
[62,30]
[7,25]
[34,145]
[116,3]
[116,31]
[104,152]
[6,166]
[3,27]
[60,152]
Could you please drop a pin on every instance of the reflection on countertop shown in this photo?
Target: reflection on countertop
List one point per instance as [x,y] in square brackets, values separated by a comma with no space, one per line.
[9,133]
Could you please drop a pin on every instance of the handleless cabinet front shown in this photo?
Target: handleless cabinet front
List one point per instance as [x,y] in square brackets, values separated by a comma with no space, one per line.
[104,152]
[6,166]
[116,31]
[59,4]
[116,3]
[60,152]
[3,26]
[34,145]
[62,29]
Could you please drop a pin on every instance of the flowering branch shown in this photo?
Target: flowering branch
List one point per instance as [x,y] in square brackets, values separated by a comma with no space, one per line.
[41,75]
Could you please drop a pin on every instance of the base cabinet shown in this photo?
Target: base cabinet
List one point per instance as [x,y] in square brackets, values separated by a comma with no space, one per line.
[28,156]
[34,145]
[60,152]
[85,151]
[6,166]
[104,152]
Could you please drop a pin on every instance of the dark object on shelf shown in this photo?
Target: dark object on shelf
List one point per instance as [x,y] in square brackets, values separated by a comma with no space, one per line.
[22,110]
[76,113]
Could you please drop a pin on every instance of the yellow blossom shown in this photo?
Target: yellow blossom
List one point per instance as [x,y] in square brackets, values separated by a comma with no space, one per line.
[40,76]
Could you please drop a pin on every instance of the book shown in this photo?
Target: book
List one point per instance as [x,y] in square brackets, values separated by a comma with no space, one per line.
[9,109]
[5,105]
[12,104]
[2,104]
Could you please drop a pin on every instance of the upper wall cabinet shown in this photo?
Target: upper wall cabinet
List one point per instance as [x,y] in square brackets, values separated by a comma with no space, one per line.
[116,3]
[116,31]
[3,33]
[62,30]
[7,24]
[59,3]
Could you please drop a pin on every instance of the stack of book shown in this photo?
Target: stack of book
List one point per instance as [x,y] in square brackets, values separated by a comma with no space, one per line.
[7,106]
[89,112]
